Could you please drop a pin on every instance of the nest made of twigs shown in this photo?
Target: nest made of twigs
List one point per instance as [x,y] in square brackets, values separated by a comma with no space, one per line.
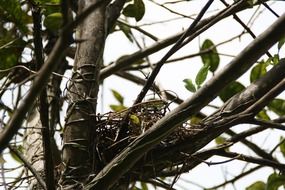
[139,119]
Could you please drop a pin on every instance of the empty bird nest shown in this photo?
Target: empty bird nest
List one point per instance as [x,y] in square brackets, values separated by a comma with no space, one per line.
[138,119]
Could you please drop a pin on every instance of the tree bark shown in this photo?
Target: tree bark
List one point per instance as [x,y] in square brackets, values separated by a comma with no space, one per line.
[82,93]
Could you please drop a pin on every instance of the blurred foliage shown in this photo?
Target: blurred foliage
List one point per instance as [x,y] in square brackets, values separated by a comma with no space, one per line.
[136,10]
[210,58]
[230,90]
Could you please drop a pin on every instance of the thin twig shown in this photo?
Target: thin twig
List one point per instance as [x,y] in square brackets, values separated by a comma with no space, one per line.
[174,49]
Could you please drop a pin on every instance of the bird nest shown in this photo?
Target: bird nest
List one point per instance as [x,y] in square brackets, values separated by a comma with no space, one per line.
[139,119]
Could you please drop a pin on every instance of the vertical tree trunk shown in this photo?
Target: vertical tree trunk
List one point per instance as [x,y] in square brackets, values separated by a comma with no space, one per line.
[79,129]
[33,147]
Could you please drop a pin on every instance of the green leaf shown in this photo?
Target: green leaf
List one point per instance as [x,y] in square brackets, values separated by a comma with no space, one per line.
[135,10]
[189,85]
[117,108]
[258,71]
[263,115]
[274,181]
[202,75]
[118,96]
[127,31]
[275,59]
[53,21]
[220,140]
[277,106]
[135,120]
[282,145]
[281,43]
[195,120]
[230,90]
[258,185]
[212,57]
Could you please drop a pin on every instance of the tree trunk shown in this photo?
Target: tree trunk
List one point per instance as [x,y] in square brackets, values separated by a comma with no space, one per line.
[33,148]
[82,93]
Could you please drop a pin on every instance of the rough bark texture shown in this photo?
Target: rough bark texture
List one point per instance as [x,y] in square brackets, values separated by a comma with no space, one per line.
[78,134]
[33,147]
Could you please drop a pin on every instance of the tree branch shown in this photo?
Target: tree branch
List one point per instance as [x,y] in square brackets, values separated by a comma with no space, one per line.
[250,159]
[142,144]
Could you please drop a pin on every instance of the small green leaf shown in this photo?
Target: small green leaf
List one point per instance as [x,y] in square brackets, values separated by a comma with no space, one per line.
[135,10]
[275,59]
[127,31]
[272,60]
[202,75]
[274,181]
[134,119]
[53,21]
[195,120]
[281,43]
[118,96]
[220,140]
[189,85]
[282,145]
[258,185]
[212,57]
[277,106]
[263,115]
[117,108]
[144,186]
[232,89]
[257,71]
